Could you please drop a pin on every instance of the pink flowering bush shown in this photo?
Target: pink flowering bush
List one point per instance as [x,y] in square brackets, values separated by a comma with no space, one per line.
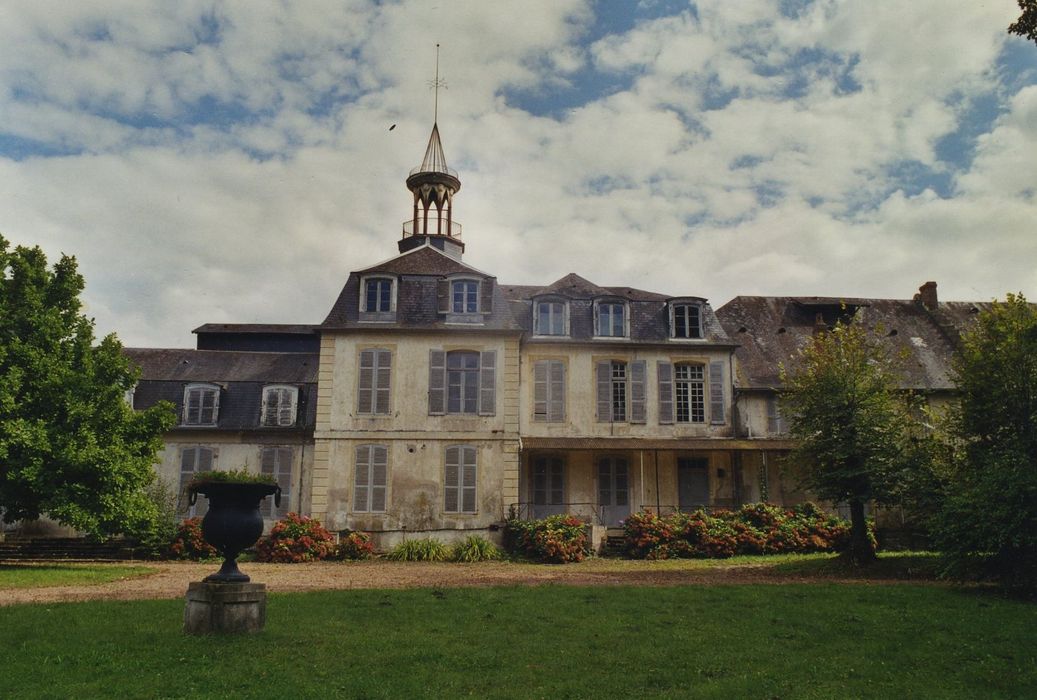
[757,528]
[557,539]
[188,542]
[295,538]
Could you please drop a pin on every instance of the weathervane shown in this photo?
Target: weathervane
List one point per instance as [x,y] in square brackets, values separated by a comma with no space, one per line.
[435,85]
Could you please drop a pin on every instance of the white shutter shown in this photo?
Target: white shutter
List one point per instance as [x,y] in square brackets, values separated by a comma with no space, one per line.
[451,481]
[379,473]
[382,379]
[540,377]
[665,372]
[556,384]
[487,383]
[362,479]
[637,391]
[604,382]
[716,393]
[436,382]
[468,478]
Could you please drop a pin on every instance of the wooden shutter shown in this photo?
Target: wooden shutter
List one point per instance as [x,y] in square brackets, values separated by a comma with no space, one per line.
[443,296]
[556,383]
[716,393]
[637,391]
[382,381]
[286,411]
[365,386]
[436,382]
[379,469]
[451,481]
[486,296]
[665,371]
[488,383]
[540,378]
[468,478]
[604,382]
[362,479]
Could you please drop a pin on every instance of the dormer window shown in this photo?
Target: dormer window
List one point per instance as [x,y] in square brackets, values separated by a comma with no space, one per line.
[201,404]
[610,319]
[464,296]
[686,320]
[550,318]
[279,406]
[378,295]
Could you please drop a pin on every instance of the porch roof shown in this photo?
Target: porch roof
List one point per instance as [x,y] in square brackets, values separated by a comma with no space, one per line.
[633,443]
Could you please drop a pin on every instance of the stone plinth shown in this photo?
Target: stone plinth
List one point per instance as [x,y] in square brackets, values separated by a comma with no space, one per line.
[225,608]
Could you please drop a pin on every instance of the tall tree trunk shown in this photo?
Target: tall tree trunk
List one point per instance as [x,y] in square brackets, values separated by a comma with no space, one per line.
[860,551]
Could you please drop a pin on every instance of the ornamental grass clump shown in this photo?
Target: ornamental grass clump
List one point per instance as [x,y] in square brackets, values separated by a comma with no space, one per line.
[188,542]
[294,539]
[557,539]
[474,548]
[419,550]
[757,528]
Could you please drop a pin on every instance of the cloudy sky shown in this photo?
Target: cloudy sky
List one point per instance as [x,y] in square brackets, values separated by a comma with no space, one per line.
[232,161]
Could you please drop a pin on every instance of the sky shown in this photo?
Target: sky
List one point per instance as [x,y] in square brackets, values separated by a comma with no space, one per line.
[232,162]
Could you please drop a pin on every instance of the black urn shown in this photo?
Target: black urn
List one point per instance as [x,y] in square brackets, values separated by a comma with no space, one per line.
[233,522]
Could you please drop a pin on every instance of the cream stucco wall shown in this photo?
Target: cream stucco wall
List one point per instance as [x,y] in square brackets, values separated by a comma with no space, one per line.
[581,390]
[416,441]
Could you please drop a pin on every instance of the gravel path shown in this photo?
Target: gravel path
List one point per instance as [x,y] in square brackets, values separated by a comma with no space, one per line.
[171,578]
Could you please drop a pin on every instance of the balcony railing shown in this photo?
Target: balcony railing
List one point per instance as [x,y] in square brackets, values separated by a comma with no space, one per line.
[434,228]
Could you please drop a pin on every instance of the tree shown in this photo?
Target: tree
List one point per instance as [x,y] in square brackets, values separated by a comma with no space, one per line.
[986,524]
[849,421]
[1026,25]
[70,446]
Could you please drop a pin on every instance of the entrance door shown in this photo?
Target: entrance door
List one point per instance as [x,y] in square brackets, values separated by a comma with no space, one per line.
[692,483]
[613,490]
[548,486]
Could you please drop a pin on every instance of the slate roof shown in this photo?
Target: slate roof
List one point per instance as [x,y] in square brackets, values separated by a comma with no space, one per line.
[649,316]
[418,274]
[241,376]
[771,330]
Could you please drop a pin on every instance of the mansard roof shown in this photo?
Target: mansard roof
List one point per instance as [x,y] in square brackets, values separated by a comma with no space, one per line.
[419,274]
[649,312]
[770,332]
[178,365]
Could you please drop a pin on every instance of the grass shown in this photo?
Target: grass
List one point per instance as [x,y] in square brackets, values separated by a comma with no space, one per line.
[49,575]
[805,641]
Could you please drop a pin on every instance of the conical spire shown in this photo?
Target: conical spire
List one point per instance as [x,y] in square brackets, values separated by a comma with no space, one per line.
[434,160]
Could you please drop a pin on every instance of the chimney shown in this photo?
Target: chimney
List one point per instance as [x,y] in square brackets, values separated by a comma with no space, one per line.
[927,295]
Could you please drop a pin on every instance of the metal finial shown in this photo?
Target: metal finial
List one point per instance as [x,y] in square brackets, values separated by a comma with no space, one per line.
[435,85]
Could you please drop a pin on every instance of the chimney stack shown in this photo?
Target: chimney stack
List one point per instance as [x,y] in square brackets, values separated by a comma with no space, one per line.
[927,295]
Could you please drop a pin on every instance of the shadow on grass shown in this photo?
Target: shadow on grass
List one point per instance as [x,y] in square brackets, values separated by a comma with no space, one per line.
[890,566]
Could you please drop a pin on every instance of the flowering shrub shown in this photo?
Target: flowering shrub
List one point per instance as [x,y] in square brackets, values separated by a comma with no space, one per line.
[556,539]
[353,546]
[758,528]
[295,538]
[188,542]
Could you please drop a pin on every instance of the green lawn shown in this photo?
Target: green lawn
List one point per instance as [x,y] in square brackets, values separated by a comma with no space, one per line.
[43,575]
[759,641]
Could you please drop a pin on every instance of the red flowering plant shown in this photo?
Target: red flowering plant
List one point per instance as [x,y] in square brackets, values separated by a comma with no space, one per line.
[557,539]
[188,542]
[295,538]
[352,546]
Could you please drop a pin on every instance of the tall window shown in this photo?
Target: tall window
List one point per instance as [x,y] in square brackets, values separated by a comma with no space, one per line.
[201,404]
[775,421]
[548,484]
[464,296]
[690,393]
[549,391]
[378,295]
[550,318]
[621,391]
[687,321]
[462,382]
[276,462]
[372,466]
[373,387]
[610,320]
[279,406]
[193,461]
[459,479]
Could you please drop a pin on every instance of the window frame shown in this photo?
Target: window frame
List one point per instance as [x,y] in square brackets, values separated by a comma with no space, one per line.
[216,390]
[376,388]
[464,487]
[293,391]
[441,385]
[538,329]
[368,470]
[695,401]
[473,289]
[680,308]
[599,304]
[277,471]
